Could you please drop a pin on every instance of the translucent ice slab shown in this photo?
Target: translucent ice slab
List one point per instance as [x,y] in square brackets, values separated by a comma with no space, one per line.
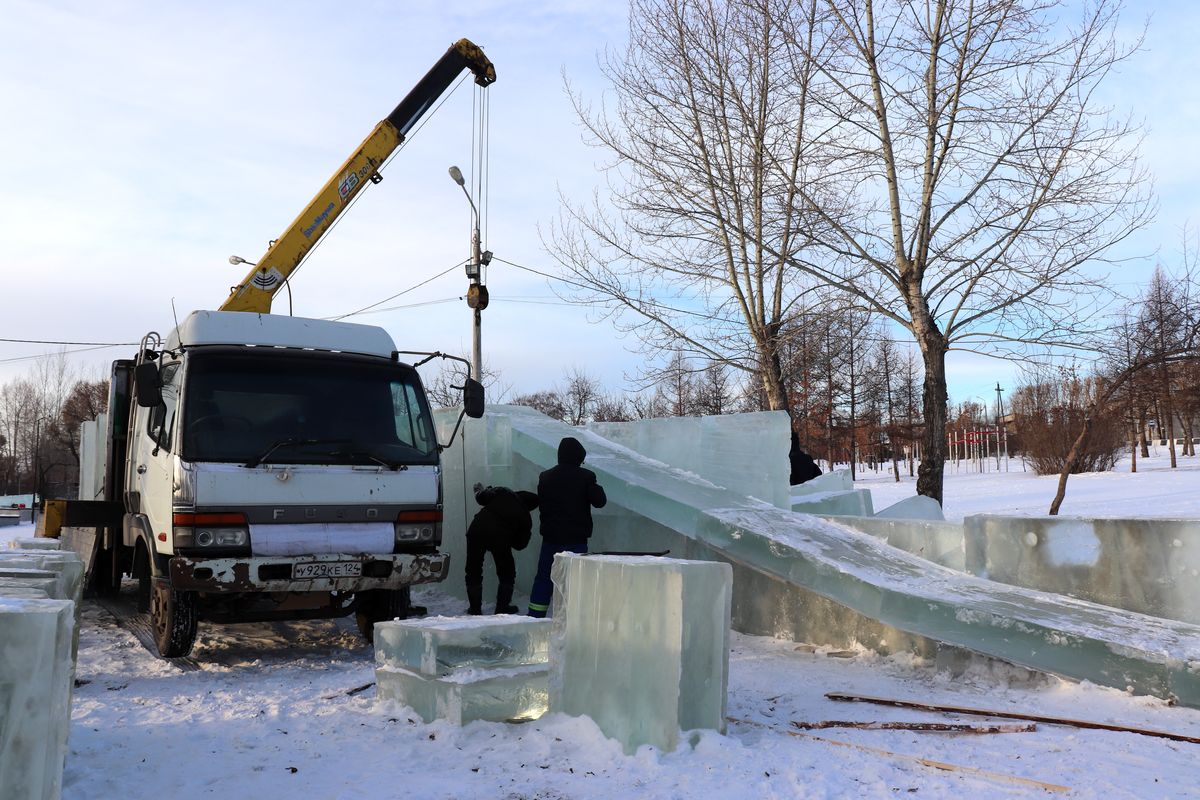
[34,543]
[746,453]
[938,541]
[641,645]
[438,646]
[49,586]
[836,481]
[1145,565]
[853,570]
[856,502]
[499,695]
[916,507]
[35,687]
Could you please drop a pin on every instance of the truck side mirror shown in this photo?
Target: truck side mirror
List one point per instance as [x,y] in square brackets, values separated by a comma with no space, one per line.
[147,385]
[473,398]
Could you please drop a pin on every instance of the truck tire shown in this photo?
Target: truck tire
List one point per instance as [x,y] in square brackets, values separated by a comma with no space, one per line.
[173,619]
[380,605]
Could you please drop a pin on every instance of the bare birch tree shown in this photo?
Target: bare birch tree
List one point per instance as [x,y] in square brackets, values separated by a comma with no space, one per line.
[709,144]
[985,175]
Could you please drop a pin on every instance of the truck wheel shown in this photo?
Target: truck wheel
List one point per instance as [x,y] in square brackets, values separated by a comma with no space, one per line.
[173,618]
[380,605]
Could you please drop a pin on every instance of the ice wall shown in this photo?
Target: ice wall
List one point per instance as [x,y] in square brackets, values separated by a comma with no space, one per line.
[851,571]
[1151,566]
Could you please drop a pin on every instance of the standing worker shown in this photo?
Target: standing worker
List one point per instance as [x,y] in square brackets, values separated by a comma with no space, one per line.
[567,494]
[501,526]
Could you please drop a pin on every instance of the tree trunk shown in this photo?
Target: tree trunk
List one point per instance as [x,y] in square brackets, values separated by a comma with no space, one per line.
[933,445]
[1141,434]
[1068,467]
[772,376]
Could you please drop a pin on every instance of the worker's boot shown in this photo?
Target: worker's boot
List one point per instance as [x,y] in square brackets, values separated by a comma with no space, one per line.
[504,599]
[475,598]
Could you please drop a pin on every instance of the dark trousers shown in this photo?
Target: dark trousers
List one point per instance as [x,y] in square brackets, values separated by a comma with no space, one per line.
[502,557]
[543,588]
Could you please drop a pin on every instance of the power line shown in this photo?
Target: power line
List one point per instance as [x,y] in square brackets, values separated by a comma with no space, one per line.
[77,344]
[67,352]
[366,308]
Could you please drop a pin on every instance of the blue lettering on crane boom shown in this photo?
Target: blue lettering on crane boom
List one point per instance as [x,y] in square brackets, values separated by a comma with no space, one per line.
[320,218]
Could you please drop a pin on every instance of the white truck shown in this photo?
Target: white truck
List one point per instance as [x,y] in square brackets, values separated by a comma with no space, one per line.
[273,467]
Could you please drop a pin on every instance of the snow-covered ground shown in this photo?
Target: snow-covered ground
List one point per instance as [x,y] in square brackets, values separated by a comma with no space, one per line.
[1155,490]
[273,711]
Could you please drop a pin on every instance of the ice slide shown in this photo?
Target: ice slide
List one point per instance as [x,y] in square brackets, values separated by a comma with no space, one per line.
[802,577]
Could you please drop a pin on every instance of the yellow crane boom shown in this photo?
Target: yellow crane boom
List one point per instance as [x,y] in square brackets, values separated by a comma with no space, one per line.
[282,258]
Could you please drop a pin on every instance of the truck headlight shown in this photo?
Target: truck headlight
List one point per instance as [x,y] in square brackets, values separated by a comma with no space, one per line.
[419,527]
[211,531]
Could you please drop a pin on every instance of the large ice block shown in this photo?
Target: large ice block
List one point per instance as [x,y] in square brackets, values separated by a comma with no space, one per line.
[1144,565]
[916,507]
[34,543]
[35,688]
[856,502]
[745,453]
[500,695]
[47,585]
[836,481]
[64,568]
[641,645]
[938,541]
[438,646]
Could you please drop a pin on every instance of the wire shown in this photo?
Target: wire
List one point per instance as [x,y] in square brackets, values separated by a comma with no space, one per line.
[342,214]
[78,344]
[364,309]
[67,352]
[411,305]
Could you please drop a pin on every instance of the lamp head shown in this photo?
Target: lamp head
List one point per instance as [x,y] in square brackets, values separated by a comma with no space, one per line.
[457,176]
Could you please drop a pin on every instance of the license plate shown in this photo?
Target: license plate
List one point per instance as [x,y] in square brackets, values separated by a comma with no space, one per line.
[326,569]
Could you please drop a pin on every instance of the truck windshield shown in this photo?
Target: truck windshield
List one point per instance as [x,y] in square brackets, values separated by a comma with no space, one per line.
[277,407]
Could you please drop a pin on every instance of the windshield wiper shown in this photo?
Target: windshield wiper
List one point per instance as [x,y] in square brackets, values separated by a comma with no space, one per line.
[361,452]
[290,442]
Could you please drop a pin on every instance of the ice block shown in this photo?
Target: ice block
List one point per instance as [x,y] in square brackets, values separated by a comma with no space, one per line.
[34,543]
[641,645]
[437,646]
[499,695]
[35,689]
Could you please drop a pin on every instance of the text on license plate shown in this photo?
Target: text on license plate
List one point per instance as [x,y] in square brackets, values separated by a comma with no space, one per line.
[326,569]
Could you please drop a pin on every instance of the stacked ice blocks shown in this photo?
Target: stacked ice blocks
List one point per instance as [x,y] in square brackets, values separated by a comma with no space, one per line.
[465,668]
[641,645]
[39,600]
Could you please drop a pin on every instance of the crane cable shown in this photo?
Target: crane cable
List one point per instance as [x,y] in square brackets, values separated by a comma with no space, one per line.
[382,167]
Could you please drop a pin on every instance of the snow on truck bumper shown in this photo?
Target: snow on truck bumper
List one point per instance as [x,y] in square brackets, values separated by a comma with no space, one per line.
[332,572]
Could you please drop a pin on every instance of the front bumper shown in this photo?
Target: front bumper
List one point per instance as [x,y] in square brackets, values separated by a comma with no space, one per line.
[273,573]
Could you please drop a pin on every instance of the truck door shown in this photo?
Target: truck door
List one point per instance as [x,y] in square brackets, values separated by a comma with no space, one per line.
[151,461]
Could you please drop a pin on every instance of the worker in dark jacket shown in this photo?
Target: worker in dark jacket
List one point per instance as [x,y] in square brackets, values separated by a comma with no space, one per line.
[501,526]
[567,494]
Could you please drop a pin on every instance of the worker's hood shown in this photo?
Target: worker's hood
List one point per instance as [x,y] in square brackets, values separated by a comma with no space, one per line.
[571,452]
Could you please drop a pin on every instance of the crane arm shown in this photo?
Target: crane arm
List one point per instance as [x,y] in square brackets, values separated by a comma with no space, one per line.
[284,255]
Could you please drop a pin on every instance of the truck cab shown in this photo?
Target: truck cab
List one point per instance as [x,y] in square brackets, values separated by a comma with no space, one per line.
[278,468]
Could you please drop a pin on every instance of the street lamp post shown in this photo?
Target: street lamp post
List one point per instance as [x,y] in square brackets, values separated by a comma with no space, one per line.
[477,294]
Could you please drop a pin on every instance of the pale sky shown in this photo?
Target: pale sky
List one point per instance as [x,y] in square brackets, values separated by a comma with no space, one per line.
[143,143]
